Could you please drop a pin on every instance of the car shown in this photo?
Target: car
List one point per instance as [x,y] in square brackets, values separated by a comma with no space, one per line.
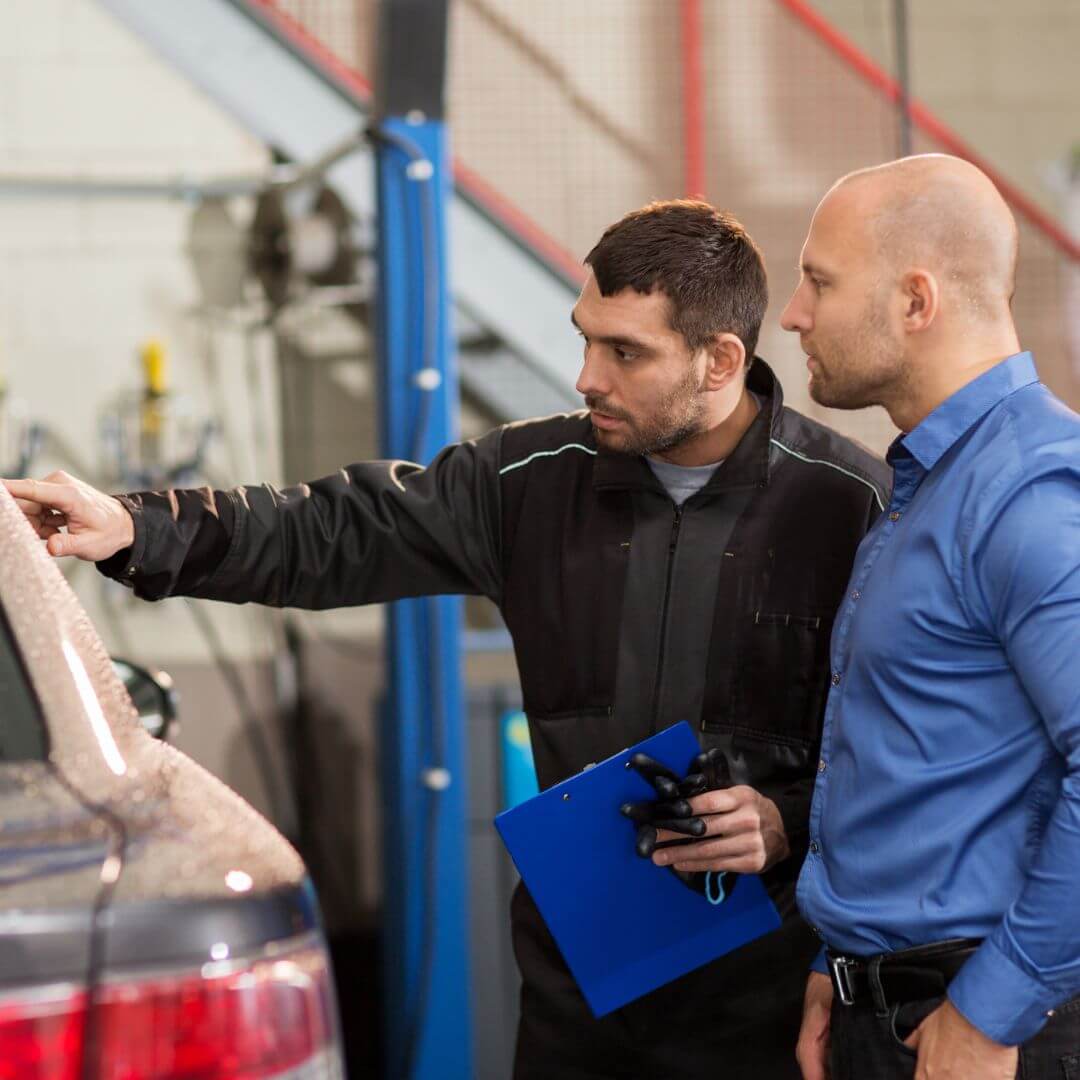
[152,924]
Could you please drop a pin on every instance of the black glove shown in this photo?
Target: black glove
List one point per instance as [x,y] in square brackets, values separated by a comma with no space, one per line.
[670,811]
[709,771]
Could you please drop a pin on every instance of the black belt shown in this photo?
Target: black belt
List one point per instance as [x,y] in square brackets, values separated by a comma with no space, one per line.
[895,977]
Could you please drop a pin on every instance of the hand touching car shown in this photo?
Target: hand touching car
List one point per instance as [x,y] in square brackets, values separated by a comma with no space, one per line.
[72,517]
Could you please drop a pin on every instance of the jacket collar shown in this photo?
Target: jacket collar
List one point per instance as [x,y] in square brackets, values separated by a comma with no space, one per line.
[748,465]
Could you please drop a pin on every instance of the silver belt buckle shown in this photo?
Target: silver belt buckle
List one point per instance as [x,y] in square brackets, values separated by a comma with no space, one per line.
[840,968]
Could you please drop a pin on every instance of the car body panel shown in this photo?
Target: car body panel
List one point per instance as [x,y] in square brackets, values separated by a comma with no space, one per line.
[179,838]
[52,849]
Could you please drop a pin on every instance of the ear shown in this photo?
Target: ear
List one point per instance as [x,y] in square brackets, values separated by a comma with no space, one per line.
[725,358]
[921,300]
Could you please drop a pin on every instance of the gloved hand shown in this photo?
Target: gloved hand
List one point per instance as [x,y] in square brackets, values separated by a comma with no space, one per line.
[709,771]
[669,811]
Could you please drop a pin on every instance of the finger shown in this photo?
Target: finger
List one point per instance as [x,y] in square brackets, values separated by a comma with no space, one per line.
[693,784]
[666,836]
[743,865]
[719,802]
[653,811]
[60,496]
[61,543]
[713,764]
[710,850]
[686,826]
[30,508]
[679,841]
[737,823]
[654,772]
[646,841]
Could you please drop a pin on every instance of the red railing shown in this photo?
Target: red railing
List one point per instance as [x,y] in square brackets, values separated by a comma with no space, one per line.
[928,123]
[570,113]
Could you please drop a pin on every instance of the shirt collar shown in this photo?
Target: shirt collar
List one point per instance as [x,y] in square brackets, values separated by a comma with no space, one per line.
[931,438]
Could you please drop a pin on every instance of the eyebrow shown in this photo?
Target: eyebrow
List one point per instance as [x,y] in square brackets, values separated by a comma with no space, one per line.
[617,340]
[808,267]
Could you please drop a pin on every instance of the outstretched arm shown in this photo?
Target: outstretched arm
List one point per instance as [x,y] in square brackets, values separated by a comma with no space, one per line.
[371,532]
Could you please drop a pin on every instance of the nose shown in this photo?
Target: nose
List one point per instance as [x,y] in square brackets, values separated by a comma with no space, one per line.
[591,381]
[796,316]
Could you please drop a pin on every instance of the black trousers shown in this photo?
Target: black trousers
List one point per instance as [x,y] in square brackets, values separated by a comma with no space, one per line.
[864,1045]
[737,1017]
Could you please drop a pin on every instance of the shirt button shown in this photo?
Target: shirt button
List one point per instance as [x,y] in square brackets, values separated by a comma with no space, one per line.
[131,571]
[836,678]
[895,515]
[856,594]
[814,847]
[821,766]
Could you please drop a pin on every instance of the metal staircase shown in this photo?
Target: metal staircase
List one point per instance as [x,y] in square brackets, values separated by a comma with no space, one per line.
[518,354]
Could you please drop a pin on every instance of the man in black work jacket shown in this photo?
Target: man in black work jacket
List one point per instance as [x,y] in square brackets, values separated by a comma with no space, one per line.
[643,582]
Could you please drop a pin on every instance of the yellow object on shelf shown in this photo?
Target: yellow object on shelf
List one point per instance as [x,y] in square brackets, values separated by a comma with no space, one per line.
[155,367]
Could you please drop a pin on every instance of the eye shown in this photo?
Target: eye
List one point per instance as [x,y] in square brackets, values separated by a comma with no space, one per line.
[818,283]
[624,356]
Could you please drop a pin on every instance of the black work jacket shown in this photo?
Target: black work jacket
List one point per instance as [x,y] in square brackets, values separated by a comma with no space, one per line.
[627,613]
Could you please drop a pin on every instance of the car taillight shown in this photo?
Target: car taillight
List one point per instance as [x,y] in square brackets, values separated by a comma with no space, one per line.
[41,1034]
[244,1021]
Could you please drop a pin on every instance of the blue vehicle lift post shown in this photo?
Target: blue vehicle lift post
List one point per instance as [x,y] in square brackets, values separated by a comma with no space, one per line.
[424,792]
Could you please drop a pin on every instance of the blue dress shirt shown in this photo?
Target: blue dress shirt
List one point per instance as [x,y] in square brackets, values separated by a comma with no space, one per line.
[947,801]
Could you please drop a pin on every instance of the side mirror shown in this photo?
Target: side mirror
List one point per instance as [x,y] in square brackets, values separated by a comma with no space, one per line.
[153,695]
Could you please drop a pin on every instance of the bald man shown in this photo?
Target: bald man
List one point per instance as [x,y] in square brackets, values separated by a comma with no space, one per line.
[943,872]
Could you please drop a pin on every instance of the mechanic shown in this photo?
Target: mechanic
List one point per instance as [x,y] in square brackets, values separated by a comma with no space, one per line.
[944,861]
[674,552]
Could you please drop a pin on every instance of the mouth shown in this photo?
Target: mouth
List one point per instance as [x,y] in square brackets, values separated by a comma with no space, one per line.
[603,421]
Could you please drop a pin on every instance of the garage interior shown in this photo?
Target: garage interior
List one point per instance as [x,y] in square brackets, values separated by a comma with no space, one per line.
[194,249]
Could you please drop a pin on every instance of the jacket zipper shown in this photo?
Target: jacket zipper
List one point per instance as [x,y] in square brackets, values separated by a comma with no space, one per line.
[676,521]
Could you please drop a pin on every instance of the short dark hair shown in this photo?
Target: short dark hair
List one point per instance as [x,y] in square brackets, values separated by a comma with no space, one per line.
[700,257]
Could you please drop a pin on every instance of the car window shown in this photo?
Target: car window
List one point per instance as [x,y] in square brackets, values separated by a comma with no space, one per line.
[22,729]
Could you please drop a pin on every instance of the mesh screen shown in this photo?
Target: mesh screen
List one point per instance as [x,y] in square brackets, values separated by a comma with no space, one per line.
[572,110]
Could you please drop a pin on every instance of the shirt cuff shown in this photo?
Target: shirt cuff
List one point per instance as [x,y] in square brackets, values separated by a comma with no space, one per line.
[124,565]
[819,963]
[1004,1002]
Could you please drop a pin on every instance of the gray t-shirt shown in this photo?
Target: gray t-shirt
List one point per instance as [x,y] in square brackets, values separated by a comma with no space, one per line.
[682,481]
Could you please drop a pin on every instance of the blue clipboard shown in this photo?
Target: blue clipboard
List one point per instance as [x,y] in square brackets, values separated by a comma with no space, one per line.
[624,925]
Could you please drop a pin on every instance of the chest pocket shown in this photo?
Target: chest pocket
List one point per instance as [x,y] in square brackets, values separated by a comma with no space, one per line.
[782,676]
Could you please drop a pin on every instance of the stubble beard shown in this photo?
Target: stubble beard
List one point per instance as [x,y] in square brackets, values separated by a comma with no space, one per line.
[679,417]
[866,371]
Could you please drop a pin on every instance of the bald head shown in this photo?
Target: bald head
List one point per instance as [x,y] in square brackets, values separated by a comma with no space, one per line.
[943,215]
